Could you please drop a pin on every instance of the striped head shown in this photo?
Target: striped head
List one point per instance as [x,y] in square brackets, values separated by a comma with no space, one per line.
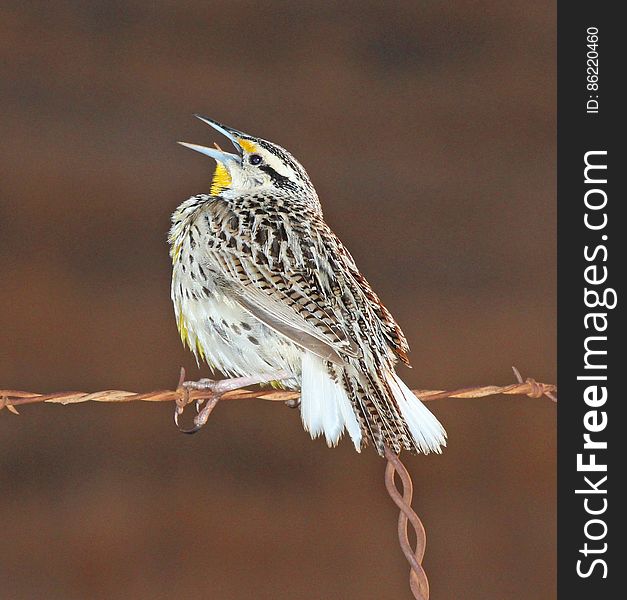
[257,167]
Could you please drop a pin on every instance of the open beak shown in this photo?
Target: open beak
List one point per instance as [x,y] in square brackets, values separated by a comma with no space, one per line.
[226,158]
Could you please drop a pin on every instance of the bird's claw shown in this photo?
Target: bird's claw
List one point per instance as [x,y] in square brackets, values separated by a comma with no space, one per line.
[202,416]
[200,420]
[214,391]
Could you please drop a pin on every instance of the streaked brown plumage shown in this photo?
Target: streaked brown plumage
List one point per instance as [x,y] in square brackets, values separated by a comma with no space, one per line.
[261,284]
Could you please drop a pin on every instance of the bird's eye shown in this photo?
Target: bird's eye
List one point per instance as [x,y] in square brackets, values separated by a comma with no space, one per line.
[255,159]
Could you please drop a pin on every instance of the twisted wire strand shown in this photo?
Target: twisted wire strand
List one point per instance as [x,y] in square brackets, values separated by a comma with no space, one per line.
[418,582]
[10,399]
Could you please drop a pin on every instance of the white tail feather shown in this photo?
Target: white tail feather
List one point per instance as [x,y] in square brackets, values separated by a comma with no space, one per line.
[324,405]
[426,430]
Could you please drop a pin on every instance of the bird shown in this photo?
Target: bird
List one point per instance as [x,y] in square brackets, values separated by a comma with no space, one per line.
[265,293]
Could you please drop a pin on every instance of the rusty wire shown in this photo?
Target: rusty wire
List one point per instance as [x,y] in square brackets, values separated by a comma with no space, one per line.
[418,581]
[10,399]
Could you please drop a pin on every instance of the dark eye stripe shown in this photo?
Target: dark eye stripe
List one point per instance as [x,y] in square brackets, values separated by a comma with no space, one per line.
[276,177]
[283,157]
[289,161]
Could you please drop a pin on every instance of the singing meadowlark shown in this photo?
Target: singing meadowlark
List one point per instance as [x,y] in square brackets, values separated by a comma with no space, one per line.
[264,291]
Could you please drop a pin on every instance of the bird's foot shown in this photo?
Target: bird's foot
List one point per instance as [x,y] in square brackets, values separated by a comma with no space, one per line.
[202,414]
[216,389]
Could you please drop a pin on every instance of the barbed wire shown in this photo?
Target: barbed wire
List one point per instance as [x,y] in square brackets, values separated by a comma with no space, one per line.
[11,399]
[418,581]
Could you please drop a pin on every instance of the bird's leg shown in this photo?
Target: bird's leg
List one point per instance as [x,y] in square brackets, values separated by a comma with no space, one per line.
[218,389]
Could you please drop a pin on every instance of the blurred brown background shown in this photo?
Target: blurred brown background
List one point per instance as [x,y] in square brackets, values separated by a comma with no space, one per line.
[428,129]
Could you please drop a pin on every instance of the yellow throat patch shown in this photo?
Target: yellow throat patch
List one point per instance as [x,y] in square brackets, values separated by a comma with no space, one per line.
[221,179]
